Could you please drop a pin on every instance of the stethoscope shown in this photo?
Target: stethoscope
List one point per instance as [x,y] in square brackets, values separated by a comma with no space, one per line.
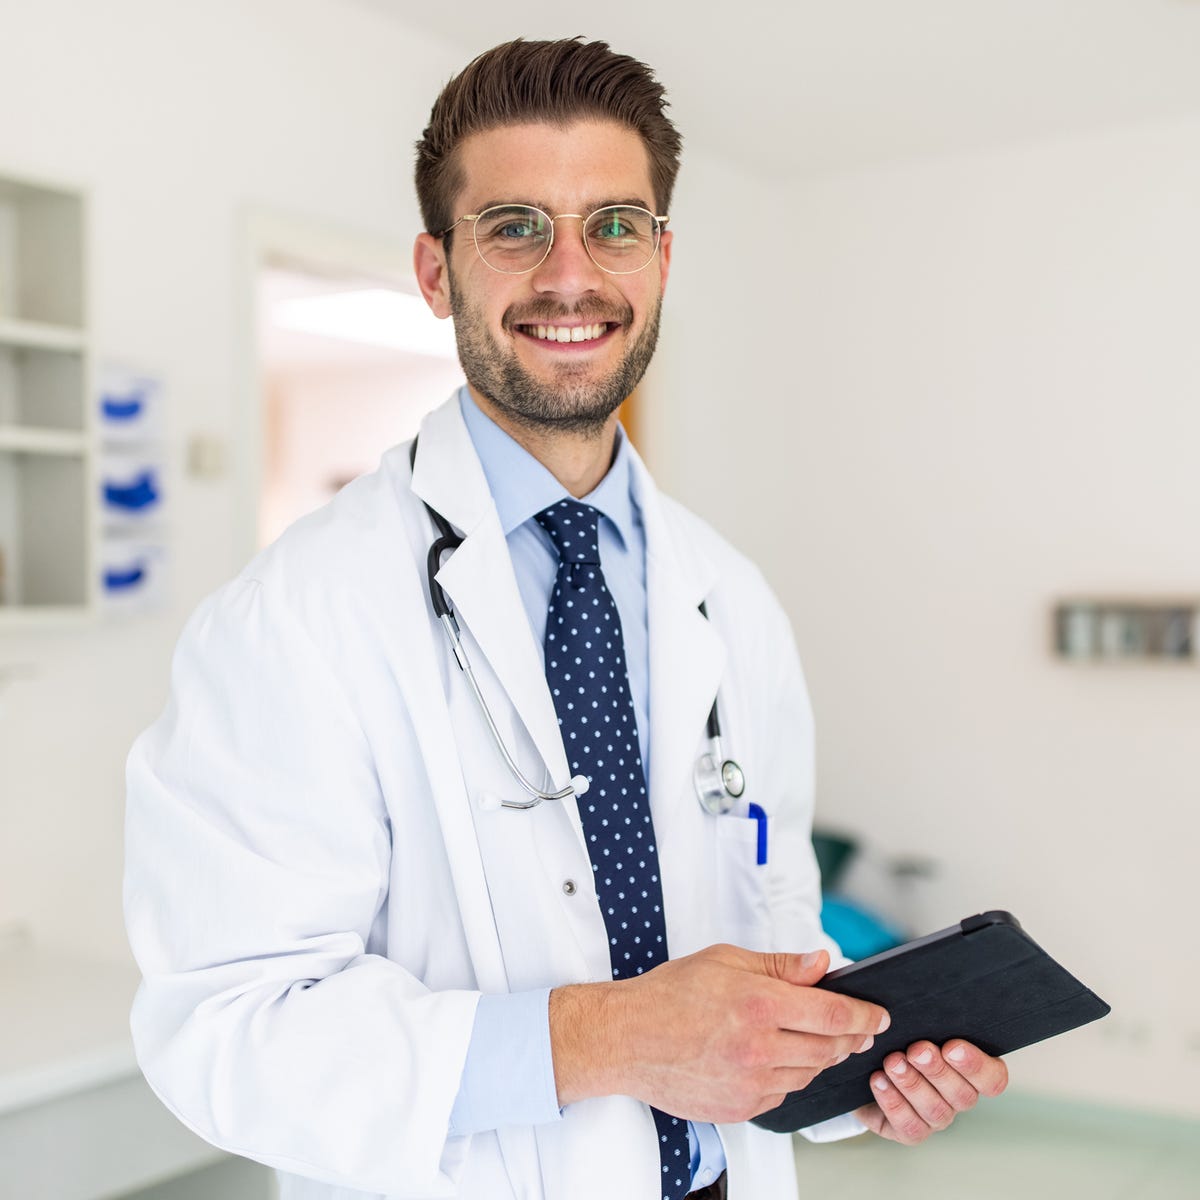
[719,781]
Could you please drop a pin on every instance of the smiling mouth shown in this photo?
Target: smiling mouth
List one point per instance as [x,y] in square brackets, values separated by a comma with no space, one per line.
[568,333]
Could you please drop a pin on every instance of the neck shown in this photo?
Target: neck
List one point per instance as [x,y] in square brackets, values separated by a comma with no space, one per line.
[579,461]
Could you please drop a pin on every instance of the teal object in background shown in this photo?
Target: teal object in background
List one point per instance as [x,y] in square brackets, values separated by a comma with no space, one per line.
[859,932]
[833,852]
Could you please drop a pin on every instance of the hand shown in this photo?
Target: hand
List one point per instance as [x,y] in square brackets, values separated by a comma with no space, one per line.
[720,1035]
[922,1091]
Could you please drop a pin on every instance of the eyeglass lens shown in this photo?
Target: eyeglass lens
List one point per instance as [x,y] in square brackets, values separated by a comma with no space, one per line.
[514,237]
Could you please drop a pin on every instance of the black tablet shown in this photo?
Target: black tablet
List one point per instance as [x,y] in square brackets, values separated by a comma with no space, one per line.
[984,980]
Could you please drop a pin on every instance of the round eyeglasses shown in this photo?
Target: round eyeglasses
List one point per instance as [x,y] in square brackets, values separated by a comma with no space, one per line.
[516,238]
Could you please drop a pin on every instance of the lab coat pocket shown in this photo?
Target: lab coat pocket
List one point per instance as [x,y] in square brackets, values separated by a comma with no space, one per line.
[742,883]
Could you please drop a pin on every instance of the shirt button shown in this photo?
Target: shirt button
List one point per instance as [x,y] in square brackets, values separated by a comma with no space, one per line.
[569,887]
[706,1176]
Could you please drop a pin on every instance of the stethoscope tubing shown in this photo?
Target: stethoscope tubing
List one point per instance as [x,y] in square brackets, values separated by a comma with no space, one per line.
[579,783]
[719,781]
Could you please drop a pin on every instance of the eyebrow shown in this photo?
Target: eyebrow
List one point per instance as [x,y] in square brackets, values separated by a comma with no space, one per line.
[586,209]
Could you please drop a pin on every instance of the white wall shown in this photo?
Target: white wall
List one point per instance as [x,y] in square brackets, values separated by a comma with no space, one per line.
[726,333]
[989,397]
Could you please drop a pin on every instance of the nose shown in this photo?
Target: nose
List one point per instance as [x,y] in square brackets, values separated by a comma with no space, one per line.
[568,269]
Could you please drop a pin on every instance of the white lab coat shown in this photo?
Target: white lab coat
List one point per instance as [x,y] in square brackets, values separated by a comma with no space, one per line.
[318,882]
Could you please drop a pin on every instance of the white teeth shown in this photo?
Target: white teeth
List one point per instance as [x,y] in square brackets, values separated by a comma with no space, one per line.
[568,333]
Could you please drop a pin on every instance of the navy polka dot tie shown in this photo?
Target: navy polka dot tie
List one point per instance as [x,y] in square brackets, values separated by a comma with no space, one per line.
[585,667]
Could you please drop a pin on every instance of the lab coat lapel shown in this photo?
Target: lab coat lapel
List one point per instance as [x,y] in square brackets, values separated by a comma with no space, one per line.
[482,586]
[686,655]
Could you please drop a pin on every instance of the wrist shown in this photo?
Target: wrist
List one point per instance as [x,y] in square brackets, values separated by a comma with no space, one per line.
[587,1039]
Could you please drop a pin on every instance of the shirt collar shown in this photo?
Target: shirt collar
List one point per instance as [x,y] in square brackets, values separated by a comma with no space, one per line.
[521,486]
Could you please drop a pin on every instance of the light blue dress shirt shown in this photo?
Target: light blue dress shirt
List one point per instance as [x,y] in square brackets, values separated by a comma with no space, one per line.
[508,1078]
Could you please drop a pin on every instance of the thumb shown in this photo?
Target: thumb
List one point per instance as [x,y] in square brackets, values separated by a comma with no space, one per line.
[801,969]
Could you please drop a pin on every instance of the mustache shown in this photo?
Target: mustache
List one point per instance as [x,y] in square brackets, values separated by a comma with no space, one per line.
[546,312]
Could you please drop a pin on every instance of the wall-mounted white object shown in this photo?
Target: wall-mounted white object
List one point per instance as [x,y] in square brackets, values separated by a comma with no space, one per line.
[207,456]
[129,406]
[131,490]
[133,574]
[1113,629]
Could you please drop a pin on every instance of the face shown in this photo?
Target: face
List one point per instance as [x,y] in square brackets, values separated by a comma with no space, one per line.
[509,327]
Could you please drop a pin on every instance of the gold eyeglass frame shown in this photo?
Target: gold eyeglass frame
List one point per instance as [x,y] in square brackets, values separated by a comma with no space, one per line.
[660,223]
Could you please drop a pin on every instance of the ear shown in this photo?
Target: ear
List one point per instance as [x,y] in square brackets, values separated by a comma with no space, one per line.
[664,259]
[433,273]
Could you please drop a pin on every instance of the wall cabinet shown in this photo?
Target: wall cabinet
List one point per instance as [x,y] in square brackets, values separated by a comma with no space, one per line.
[47,454]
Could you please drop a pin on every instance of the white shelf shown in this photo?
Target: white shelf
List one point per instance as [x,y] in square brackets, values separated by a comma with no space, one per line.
[19,440]
[47,447]
[37,335]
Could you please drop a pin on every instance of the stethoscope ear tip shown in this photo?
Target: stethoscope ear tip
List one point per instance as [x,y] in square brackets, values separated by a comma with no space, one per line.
[580,784]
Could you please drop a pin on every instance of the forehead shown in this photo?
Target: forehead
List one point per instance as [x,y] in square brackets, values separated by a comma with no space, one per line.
[562,168]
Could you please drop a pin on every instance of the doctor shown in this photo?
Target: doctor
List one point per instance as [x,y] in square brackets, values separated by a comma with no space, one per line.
[360,966]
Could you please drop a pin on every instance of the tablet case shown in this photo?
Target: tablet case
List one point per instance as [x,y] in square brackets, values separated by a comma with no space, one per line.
[985,980]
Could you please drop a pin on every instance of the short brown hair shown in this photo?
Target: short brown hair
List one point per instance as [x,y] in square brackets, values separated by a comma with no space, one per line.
[555,82]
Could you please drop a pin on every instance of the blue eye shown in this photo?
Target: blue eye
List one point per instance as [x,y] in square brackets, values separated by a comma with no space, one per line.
[621,234]
[515,230]
[511,223]
[612,227]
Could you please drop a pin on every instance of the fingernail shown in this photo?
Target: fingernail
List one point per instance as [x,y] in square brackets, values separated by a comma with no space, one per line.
[957,1054]
[900,1067]
[887,1020]
[880,1084]
[924,1058]
[809,960]
[867,1044]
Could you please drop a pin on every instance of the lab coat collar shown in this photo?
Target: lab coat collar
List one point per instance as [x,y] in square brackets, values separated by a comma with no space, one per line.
[687,656]
[482,586]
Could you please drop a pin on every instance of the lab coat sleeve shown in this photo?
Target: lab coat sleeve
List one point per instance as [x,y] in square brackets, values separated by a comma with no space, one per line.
[257,859]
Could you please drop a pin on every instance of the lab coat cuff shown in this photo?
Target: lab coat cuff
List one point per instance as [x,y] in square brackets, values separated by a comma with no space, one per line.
[508,1076]
[835,1129]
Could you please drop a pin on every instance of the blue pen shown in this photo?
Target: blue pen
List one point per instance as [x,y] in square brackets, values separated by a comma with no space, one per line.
[755,813]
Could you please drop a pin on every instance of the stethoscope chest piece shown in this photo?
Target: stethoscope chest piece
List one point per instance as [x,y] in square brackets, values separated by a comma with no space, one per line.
[719,781]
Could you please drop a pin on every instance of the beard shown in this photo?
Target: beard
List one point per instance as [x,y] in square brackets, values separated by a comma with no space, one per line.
[570,402]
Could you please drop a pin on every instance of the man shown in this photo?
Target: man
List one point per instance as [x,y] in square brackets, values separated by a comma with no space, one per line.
[361,966]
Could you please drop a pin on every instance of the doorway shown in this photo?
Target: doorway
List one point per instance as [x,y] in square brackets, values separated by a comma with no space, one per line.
[343,359]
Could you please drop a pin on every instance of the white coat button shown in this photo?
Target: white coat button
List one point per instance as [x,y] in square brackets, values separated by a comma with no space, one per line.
[569,887]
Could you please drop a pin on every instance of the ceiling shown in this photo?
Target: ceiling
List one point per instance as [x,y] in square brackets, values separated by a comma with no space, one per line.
[810,86]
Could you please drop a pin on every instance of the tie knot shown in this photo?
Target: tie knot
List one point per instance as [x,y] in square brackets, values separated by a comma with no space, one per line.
[574,529]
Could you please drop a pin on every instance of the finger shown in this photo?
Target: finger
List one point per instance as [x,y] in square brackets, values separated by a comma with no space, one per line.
[934,1109]
[987,1075]
[871,1115]
[801,969]
[815,1010]
[813,1050]
[899,1122]
[958,1092]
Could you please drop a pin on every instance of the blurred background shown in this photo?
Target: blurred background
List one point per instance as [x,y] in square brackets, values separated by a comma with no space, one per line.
[930,356]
